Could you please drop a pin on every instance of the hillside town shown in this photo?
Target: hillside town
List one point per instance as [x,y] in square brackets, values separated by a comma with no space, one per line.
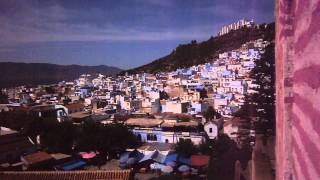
[160,109]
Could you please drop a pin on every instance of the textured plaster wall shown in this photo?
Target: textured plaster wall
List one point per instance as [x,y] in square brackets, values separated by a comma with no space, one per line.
[298,93]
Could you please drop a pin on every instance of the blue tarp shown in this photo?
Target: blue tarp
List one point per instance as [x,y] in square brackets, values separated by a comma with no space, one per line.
[171,157]
[184,160]
[226,73]
[73,165]
[124,157]
[136,154]
[148,156]
[158,157]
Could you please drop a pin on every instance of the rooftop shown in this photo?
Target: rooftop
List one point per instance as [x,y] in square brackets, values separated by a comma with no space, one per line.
[175,124]
[37,157]
[80,115]
[156,146]
[74,106]
[143,122]
[5,131]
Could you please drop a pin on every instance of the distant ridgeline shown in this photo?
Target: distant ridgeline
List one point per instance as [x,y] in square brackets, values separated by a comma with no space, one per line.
[194,53]
[16,74]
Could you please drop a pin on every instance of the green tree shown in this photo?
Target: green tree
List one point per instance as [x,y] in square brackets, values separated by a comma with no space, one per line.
[3,98]
[108,139]
[206,147]
[185,148]
[58,137]
[264,100]
[163,95]
[223,157]
[33,127]
[16,120]
[203,93]
[211,114]
[115,138]
[260,106]
[88,136]
[50,90]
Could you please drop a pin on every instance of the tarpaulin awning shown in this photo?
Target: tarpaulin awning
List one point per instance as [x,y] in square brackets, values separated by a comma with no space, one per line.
[171,157]
[73,165]
[88,155]
[199,160]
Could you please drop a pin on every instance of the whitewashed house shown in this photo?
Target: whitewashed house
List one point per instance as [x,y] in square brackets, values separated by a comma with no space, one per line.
[211,129]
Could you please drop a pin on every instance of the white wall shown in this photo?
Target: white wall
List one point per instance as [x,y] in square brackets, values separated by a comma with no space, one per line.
[214,130]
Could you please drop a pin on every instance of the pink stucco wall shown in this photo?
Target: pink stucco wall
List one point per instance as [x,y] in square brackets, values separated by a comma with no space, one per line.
[298,93]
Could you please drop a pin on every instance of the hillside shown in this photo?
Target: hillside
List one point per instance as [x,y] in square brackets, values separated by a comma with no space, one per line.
[14,74]
[194,53]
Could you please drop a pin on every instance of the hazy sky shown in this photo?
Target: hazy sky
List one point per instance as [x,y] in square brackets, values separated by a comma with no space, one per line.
[122,33]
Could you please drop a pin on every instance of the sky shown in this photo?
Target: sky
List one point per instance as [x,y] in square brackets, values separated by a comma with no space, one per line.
[121,33]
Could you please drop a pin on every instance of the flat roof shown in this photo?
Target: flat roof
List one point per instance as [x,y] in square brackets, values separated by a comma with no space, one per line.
[58,156]
[37,157]
[156,146]
[5,131]
[144,122]
[184,123]
[80,115]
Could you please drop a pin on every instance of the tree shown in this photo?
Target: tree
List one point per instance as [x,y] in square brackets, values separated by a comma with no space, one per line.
[66,101]
[115,138]
[58,137]
[211,114]
[223,157]
[34,127]
[3,98]
[16,120]
[247,110]
[261,104]
[264,100]
[163,95]
[185,148]
[203,93]
[109,139]
[88,136]
[50,89]
[206,147]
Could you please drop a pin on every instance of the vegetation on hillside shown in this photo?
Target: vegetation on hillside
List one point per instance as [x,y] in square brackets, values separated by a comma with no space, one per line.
[194,53]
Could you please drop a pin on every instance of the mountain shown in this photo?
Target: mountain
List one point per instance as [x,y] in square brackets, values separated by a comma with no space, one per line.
[15,74]
[194,53]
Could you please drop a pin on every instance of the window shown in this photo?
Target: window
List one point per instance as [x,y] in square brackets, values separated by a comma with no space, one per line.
[152,137]
[61,113]
[139,137]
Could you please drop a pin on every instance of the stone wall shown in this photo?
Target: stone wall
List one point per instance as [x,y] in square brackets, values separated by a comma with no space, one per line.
[298,94]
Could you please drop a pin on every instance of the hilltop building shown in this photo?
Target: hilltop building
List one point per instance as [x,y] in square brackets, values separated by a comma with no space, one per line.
[236,25]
